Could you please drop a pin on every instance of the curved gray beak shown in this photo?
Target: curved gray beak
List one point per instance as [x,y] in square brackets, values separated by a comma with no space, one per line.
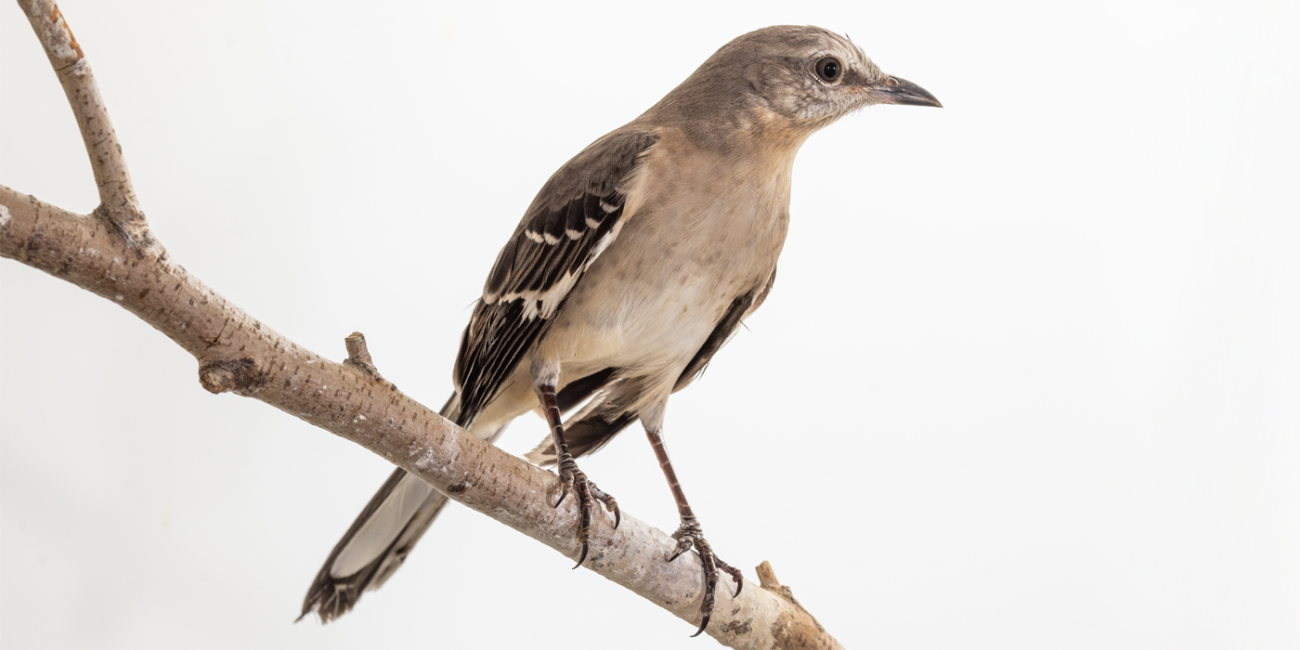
[896,90]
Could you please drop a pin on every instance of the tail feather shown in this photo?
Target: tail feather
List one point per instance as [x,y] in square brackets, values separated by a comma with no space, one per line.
[379,539]
[374,546]
[401,511]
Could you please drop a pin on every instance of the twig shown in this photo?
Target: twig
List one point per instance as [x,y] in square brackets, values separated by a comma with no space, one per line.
[118,206]
[359,357]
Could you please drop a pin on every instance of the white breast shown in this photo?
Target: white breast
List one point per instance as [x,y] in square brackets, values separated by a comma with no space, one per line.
[700,231]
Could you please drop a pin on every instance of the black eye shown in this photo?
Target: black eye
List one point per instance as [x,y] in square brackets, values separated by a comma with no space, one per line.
[829,69]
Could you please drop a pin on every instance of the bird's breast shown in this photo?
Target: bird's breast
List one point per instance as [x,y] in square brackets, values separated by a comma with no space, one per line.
[701,230]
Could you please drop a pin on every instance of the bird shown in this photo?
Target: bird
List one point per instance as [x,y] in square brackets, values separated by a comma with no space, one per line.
[631,268]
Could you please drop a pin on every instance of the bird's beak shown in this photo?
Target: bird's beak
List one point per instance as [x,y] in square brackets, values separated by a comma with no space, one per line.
[895,90]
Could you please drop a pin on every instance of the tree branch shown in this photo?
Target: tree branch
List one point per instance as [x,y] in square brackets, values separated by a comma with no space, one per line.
[117,203]
[112,254]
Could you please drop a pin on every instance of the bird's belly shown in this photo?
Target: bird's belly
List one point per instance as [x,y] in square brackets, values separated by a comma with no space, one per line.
[630,320]
[649,311]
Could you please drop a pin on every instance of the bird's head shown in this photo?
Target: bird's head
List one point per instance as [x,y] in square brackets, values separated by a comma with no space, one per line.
[790,78]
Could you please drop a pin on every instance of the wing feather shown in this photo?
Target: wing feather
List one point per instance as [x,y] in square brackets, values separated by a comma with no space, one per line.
[570,223]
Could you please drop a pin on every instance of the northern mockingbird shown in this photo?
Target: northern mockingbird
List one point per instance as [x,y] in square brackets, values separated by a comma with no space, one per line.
[631,268]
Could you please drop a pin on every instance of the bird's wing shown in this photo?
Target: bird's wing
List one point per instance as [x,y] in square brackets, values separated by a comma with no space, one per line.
[574,218]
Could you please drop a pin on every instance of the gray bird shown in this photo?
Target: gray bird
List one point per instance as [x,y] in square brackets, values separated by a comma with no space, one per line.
[631,268]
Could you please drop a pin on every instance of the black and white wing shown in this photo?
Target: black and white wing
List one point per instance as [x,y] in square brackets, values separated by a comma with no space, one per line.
[575,217]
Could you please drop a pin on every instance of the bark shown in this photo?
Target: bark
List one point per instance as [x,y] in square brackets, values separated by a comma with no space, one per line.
[112,253]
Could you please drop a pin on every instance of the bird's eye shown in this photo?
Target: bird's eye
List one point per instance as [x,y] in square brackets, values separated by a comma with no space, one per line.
[829,69]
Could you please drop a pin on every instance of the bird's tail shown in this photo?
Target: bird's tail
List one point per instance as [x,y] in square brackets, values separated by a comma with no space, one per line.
[381,537]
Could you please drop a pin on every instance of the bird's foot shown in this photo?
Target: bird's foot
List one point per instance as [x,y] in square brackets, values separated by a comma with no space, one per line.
[690,534]
[573,479]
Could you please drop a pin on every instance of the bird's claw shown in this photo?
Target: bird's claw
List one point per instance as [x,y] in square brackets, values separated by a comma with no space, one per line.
[689,535]
[685,537]
[611,504]
[566,484]
[573,479]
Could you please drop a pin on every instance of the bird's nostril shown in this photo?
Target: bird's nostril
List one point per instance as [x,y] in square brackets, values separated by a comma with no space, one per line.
[892,81]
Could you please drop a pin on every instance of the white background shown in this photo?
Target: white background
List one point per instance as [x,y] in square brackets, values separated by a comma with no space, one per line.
[1029,378]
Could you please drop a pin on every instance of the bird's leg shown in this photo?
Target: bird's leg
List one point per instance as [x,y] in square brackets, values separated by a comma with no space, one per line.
[690,533]
[572,478]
